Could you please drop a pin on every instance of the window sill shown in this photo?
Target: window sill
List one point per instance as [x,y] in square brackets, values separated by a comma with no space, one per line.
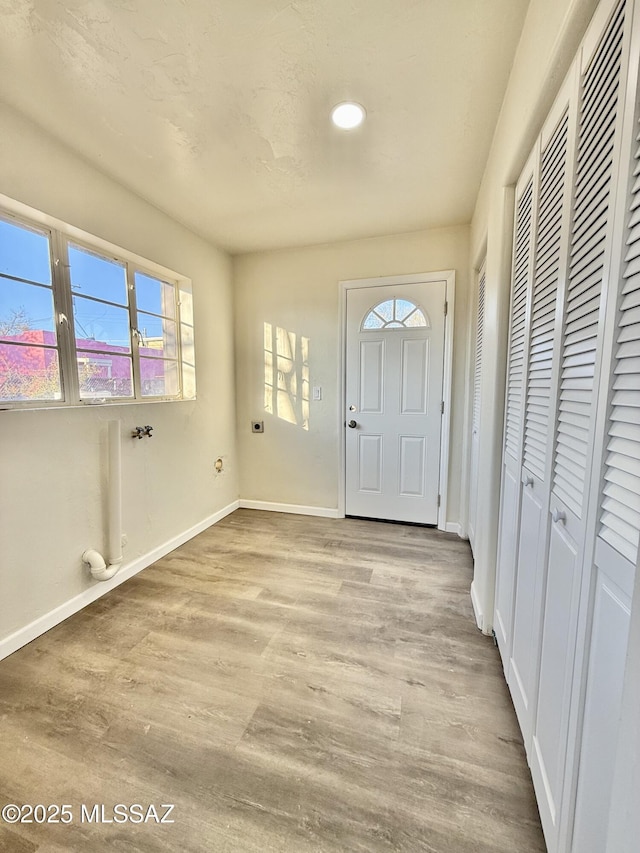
[44,407]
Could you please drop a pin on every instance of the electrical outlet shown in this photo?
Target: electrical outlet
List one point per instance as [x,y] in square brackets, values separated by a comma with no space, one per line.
[257,426]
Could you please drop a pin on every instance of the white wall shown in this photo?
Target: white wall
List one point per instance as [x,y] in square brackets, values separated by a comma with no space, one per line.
[550,37]
[298,290]
[52,494]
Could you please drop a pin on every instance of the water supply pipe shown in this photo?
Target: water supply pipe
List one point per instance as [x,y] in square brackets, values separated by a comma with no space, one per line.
[97,564]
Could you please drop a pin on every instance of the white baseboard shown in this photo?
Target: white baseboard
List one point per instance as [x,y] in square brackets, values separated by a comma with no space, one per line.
[34,629]
[477,609]
[455,527]
[294,509]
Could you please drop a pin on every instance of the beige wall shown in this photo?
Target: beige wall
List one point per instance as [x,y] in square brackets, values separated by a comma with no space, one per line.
[52,462]
[550,37]
[298,290]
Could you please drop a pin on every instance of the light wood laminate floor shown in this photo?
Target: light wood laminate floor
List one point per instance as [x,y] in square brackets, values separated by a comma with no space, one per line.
[291,684]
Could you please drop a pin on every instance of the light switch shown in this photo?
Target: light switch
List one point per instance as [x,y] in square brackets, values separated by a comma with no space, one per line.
[317,392]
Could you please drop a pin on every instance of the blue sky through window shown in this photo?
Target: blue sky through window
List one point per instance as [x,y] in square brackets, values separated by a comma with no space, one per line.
[100,322]
[24,253]
[154,296]
[97,277]
[35,304]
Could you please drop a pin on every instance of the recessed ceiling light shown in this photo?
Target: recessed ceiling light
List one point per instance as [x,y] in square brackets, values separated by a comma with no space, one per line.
[347,115]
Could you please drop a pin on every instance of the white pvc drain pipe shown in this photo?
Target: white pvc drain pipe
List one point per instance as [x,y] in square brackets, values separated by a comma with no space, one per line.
[97,564]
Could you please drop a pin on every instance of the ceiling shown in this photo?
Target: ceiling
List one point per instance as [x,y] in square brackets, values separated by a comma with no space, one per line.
[218,112]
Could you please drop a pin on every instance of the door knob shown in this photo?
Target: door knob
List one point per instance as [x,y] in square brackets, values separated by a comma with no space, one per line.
[352,424]
[558,515]
[527,479]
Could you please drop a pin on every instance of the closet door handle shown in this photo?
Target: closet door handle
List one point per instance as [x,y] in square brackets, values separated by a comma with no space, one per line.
[527,479]
[558,515]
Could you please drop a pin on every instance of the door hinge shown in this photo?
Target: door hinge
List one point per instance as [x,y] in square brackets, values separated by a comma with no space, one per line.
[446,308]
[439,499]
[442,408]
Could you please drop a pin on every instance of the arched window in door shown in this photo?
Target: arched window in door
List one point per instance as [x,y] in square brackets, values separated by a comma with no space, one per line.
[395,314]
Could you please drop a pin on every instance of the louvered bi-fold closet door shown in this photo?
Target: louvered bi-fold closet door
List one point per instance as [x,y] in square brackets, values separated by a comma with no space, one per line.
[475,404]
[598,141]
[616,549]
[514,409]
[550,252]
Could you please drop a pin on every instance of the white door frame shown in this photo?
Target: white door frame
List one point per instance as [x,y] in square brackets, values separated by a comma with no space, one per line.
[449,277]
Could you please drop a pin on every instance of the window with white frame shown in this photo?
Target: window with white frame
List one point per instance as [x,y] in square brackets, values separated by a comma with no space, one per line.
[80,324]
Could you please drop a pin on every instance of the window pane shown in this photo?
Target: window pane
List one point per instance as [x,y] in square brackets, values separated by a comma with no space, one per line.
[416,319]
[385,310]
[159,378]
[403,308]
[155,295]
[373,322]
[104,375]
[29,373]
[158,336]
[24,253]
[100,326]
[92,275]
[25,307]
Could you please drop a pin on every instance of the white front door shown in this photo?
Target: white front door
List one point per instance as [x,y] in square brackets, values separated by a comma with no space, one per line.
[394,365]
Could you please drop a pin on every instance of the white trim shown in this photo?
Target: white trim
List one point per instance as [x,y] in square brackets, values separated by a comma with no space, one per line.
[447,385]
[342,393]
[386,280]
[477,607]
[449,277]
[292,509]
[44,623]
[454,527]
